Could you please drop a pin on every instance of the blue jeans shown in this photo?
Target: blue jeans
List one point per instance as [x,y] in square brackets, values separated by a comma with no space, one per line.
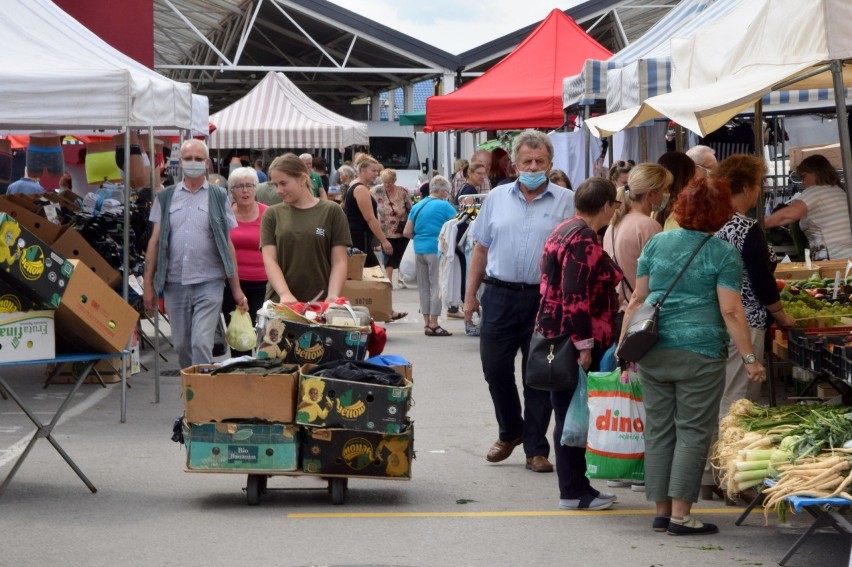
[193,312]
[508,318]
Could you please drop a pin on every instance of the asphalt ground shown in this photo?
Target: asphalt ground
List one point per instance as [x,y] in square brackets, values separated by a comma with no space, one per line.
[458,510]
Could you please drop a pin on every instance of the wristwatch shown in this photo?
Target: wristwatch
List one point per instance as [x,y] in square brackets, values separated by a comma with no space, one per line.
[750,358]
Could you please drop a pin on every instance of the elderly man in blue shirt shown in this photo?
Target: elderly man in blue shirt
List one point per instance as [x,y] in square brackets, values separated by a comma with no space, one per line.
[510,232]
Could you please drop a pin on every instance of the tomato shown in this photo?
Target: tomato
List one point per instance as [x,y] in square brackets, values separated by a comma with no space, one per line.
[780,284]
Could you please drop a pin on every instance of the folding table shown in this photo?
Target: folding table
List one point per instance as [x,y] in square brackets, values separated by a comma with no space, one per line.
[827,512]
[46,430]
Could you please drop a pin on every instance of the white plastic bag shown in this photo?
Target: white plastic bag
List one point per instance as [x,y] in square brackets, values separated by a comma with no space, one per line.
[408,264]
[240,334]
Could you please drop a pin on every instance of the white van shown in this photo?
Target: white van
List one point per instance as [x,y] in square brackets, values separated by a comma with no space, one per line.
[397,147]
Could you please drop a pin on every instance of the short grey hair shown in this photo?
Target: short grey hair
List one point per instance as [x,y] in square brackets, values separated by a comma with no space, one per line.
[306,157]
[532,139]
[439,183]
[195,142]
[699,154]
[348,172]
[242,173]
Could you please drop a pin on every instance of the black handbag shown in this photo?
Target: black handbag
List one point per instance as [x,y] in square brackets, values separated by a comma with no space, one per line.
[642,332]
[552,363]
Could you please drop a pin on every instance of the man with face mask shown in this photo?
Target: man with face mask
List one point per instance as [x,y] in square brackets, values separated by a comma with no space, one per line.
[189,255]
[510,231]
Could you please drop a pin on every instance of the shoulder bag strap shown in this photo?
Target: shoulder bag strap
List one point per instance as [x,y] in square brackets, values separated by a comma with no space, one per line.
[682,270]
[420,210]
[624,281]
[574,230]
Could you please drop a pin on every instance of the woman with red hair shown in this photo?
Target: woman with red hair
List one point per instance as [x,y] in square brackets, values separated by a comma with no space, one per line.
[683,375]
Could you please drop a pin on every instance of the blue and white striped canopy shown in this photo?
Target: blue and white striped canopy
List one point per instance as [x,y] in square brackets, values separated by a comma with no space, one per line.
[646,61]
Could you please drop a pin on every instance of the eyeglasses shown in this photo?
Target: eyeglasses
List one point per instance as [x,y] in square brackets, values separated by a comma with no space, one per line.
[243,186]
[193,158]
[706,169]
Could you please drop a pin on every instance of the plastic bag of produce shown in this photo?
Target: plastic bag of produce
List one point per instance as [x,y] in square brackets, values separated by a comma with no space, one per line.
[576,426]
[240,334]
[615,447]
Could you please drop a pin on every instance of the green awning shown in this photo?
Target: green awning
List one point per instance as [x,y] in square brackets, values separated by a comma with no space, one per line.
[413,118]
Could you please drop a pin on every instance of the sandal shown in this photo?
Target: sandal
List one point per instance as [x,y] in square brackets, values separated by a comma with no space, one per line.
[397,315]
[437,331]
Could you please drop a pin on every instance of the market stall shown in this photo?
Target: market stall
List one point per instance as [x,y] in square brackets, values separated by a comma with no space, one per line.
[71,80]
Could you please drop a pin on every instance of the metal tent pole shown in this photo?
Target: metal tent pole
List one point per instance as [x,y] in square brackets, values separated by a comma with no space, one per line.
[842,126]
[758,151]
[587,142]
[125,263]
[154,183]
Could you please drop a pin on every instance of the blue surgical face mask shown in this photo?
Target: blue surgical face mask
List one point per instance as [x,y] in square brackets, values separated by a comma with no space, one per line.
[659,208]
[532,180]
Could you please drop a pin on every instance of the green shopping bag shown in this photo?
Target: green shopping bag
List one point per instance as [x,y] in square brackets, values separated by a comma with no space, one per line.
[615,447]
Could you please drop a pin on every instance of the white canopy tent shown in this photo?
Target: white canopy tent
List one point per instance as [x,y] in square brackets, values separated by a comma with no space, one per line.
[765,45]
[56,74]
[276,114]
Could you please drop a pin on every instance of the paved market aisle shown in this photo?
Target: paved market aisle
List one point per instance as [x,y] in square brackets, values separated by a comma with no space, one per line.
[457,511]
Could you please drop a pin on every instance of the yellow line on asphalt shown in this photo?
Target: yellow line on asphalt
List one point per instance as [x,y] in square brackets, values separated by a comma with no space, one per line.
[533,513]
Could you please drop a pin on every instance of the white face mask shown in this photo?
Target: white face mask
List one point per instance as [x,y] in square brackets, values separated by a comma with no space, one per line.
[193,169]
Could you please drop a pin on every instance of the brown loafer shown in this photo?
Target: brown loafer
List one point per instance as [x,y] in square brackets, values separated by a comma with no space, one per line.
[501,450]
[539,464]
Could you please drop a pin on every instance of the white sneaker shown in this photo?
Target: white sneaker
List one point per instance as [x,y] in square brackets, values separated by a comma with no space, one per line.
[616,483]
[638,487]
[587,502]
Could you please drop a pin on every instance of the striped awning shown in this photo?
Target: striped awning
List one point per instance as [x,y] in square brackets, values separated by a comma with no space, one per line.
[276,114]
[592,84]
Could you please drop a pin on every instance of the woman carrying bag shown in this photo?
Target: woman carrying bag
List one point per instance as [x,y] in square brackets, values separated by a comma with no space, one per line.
[578,281]
[683,374]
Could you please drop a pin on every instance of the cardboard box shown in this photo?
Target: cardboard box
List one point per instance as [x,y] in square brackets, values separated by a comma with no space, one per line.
[29,265]
[358,453]
[28,335]
[355,268]
[301,341]
[242,446]
[42,228]
[374,292]
[92,316]
[67,373]
[796,270]
[73,246]
[223,397]
[831,152]
[329,402]
[826,391]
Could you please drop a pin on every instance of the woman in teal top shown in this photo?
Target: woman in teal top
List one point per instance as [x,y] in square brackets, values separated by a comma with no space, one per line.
[683,375]
[423,226]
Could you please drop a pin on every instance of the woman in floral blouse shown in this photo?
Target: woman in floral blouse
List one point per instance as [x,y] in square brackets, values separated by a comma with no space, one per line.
[394,203]
[578,289]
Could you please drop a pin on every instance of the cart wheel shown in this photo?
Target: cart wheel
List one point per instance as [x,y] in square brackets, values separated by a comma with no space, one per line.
[338,490]
[253,488]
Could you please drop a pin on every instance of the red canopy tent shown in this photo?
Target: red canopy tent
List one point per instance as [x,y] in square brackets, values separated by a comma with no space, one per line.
[523,90]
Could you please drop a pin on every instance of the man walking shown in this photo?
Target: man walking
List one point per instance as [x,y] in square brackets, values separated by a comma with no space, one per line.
[189,255]
[510,232]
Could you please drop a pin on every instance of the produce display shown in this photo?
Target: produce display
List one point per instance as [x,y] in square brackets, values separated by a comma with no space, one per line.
[814,299]
[804,449]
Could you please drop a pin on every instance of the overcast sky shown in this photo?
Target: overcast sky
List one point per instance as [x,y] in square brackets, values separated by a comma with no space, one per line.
[456,25]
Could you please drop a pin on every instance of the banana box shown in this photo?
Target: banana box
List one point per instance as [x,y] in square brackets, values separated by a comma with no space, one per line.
[241,446]
[333,403]
[358,453]
[296,339]
[31,266]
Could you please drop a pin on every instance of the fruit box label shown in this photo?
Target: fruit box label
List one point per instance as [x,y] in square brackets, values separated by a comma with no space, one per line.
[242,454]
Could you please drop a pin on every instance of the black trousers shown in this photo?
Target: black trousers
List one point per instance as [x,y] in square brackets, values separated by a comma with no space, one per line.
[508,317]
[570,461]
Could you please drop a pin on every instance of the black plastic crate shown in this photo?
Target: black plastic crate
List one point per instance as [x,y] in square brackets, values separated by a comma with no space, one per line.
[796,341]
[832,348]
[846,365]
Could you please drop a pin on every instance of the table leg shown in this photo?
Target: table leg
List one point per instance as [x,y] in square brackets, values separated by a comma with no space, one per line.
[46,431]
